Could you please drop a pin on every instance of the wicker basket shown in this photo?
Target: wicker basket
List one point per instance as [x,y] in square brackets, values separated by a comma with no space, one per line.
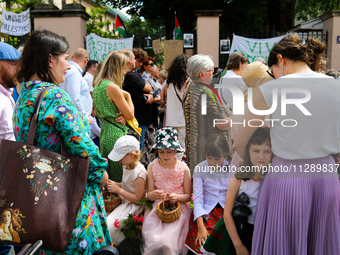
[110,205]
[168,217]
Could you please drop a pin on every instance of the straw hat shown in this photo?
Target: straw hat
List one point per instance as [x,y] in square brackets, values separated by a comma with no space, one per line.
[254,75]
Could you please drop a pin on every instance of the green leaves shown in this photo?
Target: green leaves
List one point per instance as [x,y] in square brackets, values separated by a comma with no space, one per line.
[18,6]
[129,233]
[308,9]
[95,24]
[148,203]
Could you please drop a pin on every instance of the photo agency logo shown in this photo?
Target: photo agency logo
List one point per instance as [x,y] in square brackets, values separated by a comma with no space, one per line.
[280,99]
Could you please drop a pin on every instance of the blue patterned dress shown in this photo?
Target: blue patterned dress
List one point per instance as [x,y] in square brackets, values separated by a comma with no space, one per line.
[60,119]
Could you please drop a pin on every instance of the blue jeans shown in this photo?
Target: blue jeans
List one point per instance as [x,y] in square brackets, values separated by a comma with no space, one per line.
[5,249]
[143,127]
[96,141]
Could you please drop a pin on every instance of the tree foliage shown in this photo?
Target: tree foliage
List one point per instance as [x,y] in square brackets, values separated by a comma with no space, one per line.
[95,24]
[138,27]
[18,6]
[238,15]
[306,9]
[141,28]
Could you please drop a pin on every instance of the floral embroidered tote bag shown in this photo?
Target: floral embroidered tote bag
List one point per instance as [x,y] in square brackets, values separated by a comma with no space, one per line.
[40,191]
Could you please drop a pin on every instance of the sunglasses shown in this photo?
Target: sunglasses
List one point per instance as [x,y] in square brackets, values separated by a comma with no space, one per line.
[152,64]
[270,73]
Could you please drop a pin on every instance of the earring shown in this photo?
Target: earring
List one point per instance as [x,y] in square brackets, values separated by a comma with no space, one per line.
[282,70]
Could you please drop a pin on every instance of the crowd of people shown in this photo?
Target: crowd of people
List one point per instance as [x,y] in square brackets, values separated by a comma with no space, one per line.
[185,148]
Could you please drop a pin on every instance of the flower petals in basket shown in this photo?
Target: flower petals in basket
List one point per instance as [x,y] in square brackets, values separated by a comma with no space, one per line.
[165,216]
[111,201]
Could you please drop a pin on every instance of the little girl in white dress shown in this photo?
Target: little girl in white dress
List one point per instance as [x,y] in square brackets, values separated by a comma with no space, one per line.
[132,187]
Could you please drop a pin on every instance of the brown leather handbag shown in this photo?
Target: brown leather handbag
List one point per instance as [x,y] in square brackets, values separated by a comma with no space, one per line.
[40,191]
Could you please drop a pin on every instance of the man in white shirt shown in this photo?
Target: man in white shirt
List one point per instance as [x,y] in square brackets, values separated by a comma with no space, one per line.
[76,86]
[89,72]
[9,58]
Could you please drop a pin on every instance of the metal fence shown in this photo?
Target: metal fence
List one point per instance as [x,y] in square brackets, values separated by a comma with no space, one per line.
[141,39]
[223,58]
[15,41]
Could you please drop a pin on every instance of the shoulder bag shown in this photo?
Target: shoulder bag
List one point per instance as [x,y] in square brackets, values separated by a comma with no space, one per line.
[40,191]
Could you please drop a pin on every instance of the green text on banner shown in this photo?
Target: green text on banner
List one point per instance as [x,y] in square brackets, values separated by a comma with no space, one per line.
[98,47]
[254,48]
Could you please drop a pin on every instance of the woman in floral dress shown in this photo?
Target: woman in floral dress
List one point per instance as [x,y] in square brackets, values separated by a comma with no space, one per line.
[44,63]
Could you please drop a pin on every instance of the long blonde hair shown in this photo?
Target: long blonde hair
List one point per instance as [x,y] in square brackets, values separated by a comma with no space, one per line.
[113,68]
[137,157]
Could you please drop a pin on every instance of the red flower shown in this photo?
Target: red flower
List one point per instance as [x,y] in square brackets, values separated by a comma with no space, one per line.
[29,103]
[138,218]
[116,223]
[101,240]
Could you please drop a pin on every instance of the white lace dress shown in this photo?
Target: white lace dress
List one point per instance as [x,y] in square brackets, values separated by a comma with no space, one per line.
[123,210]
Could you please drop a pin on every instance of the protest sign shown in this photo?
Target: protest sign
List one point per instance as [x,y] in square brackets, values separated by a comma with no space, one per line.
[99,47]
[254,48]
[172,48]
[16,24]
[157,47]
[188,40]
[225,46]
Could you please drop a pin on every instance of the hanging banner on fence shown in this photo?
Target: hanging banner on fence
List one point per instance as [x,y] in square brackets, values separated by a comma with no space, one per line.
[98,47]
[16,24]
[254,48]
[172,48]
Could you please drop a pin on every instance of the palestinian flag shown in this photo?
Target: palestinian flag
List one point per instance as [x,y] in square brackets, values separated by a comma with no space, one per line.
[177,31]
[119,26]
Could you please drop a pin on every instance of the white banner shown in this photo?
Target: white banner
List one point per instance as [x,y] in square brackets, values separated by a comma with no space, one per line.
[98,47]
[16,24]
[254,48]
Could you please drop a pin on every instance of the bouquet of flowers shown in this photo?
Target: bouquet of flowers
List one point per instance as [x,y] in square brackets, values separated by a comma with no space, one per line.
[132,225]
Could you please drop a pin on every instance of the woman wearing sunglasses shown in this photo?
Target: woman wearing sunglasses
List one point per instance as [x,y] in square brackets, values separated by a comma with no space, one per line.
[298,208]
[149,140]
